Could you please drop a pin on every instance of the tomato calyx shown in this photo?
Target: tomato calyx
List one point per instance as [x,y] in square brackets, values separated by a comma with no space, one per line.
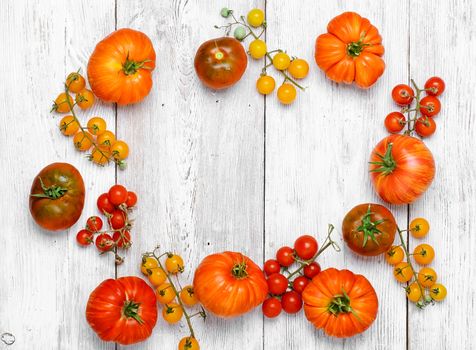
[52,192]
[130,67]
[340,304]
[239,270]
[354,49]
[388,164]
[369,228]
[131,309]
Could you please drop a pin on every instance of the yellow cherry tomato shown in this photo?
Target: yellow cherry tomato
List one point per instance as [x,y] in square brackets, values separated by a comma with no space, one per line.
[188,297]
[255,17]
[100,155]
[438,292]
[148,263]
[281,61]
[394,255]
[83,141]
[298,68]
[120,150]
[424,254]
[286,93]
[419,227]
[265,84]
[165,293]
[157,276]
[257,49]
[413,292]
[174,263]
[427,277]
[68,125]
[96,126]
[85,99]
[75,82]
[107,138]
[188,343]
[403,272]
[172,313]
[61,103]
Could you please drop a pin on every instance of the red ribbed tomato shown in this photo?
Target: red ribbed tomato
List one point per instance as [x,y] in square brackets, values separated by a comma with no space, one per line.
[402,168]
[229,284]
[340,303]
[123,310]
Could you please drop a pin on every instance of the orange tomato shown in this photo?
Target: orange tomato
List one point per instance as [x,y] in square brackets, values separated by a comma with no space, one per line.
[120,150]
[97,125]
[85,99]
[61,103]
[157,276]
[188,297]
[424,254]
[298,68]
[83,141]
[403,272]
[427,277]
[172,313]
[394,255]
[188,343]
[68,125]
[100,155]
[75,82]
[165,293]
[107,139]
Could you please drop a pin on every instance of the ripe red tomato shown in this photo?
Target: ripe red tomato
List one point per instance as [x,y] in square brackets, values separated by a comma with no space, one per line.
[94,224]
[285,256]
[312,269]
[220,63]
[277,284]
[131,199]
[84,237]
[403,94]
[118,219]
[117,194]
[430,106]
[300,283]
[435,86]
[425,126]
[291,302]
[306,247]
[271,307]
[104,242]
[271,266]
[122,240]
[104,204]
[395,122]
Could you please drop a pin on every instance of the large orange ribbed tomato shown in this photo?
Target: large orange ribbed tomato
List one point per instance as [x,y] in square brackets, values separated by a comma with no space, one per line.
[402,168]
[351,50]
[122,310]
[120,68]
[341,303]
[229,284]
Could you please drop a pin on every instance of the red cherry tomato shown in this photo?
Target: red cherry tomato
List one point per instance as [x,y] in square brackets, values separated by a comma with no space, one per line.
[117,194]
[312,270]
[122,239]
[430,106]
[277,284]
[271,307]
[300,283]
[118,219]
[94,224]
[271,266]
[425,126]
[84,237]
[306,247]
[435,86]
[285,256]
[291,302]
[403,94]
[104,205]
[131,199]
[395,122]
[104,242]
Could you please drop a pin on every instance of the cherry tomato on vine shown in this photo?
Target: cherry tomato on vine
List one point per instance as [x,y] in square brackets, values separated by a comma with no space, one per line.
[277,283]
[68,125]
[395,122]
[298,68]
[172,313]
[148,263]
[438,292]
[285,256]
[402,94]
[83,141]
[311,270]
[281,61]
[419,227]
[430,106]
[271,266]
[75,82]
[257,49]
[394,255]
[131,199]
[423,254]
[117,194]
[306,247]
[271,307]
[100,155]
[403,272]
[265,84]
[107,139]
[435,86]
[286,93]
[255,17]
[118,219]
[156,276]
[61,105]
[165,293]
[300,283]
[188,297]
[97,126]
[291,302]
[413,292]
[122,239]
[188,343]
[84,237]
[94,223]
[120,150]
[174,263]
[104,204]
[427,277]
[104,242]
[85,99]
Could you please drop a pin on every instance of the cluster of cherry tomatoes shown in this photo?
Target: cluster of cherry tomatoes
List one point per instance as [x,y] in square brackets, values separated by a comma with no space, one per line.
[94,136]
[285,290]
[174,300]
[115,205]
[425,110]
[423,280]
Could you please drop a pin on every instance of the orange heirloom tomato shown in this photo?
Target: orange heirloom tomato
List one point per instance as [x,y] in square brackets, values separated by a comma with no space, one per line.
[340,303]
[401,168]
[122,310]
[120,68]
[351,51]
[229,284]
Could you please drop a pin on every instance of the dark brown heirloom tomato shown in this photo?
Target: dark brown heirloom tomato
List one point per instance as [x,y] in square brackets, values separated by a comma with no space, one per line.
[57,197]
[369,229]
[220,62]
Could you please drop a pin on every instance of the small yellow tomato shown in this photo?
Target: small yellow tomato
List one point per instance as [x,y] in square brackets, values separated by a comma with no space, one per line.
[298,68]
[394,255]
[68,125]
[107,138]
[257,49]
[165,293]
[427,277]
[255,17]
[438,292]
[281,61]
[172,313]
[174,263]
[419,227]
[148,263]
[97,125]
[403,272]
[83,141]
[100,155]
[424,254]
[75,82]
[120,150]
[188,343]
[286,93]
[413,292]
[188,297]
[85,99]
[61,103]
[265,84]
[157,276]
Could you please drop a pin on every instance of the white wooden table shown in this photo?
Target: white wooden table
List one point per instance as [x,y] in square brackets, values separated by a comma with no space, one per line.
[232,170]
